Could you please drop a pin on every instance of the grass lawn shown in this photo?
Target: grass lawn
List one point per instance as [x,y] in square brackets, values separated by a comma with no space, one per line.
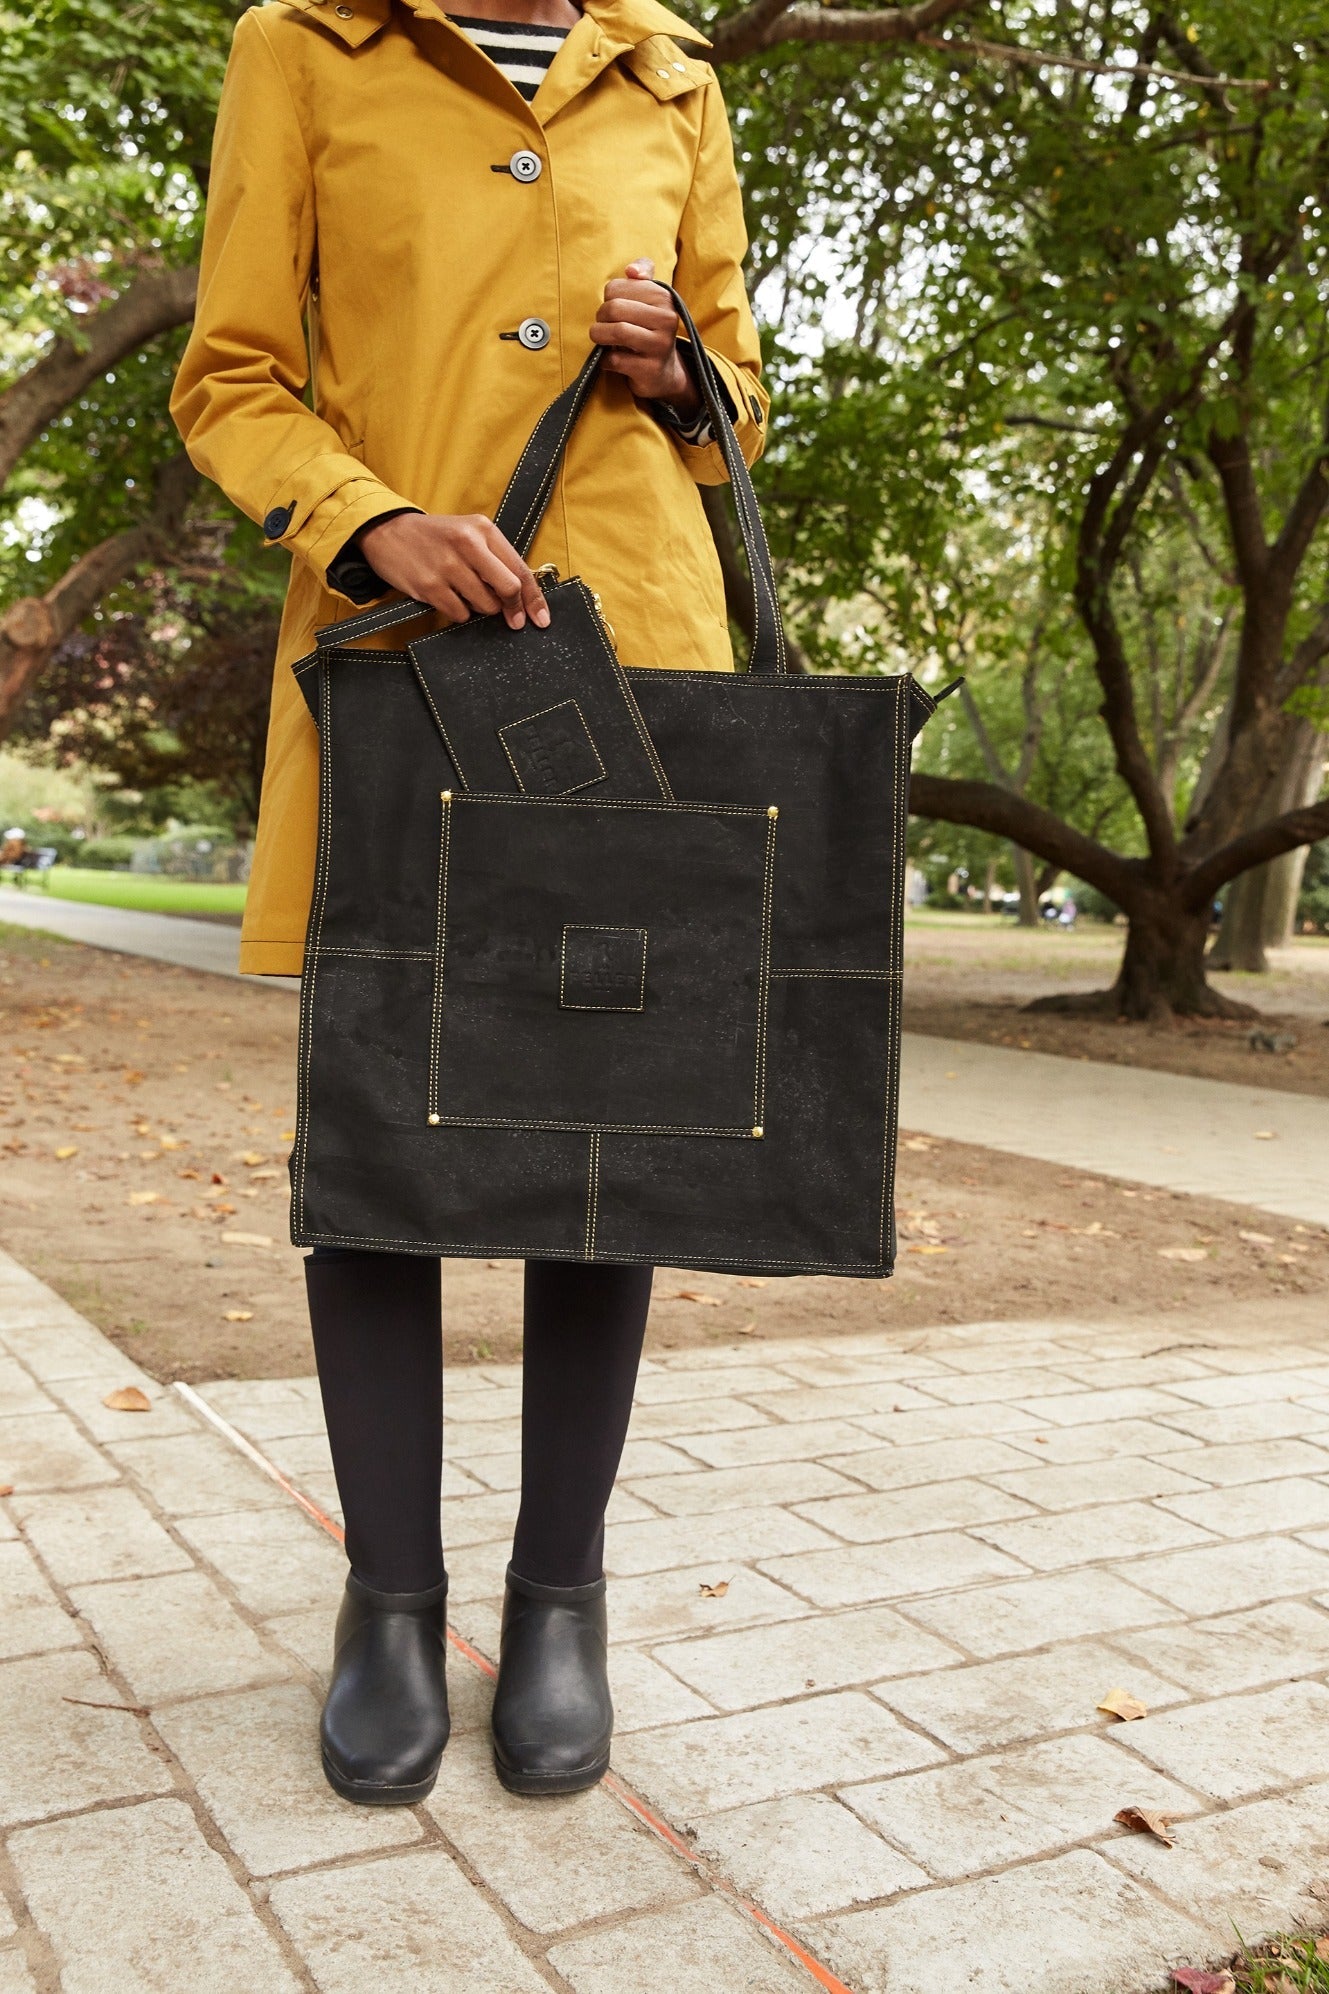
[147,892]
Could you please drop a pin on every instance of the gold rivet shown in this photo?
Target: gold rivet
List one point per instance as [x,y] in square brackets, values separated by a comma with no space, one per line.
[759,1132]
[774,810]
[433,1121]
[445,795]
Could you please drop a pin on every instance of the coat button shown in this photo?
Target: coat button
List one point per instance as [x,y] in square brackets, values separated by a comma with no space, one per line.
[526,165]
[344,13]
[276,522]
[533,334]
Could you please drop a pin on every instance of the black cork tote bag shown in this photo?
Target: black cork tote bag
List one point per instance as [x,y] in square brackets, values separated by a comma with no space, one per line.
[603,963]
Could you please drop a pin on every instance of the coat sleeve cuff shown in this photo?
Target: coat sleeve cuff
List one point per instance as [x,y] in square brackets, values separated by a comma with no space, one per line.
[748,405]
[324,504]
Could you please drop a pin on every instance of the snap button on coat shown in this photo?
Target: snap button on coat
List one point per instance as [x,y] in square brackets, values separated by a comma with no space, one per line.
[525,165]
[357,140]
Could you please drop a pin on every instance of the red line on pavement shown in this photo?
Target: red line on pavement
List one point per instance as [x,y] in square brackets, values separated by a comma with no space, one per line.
[622,1793]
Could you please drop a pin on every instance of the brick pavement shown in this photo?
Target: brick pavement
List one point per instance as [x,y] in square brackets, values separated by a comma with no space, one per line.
[878,1731]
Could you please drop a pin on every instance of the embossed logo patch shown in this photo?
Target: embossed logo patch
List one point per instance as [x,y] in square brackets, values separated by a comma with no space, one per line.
[552,752]
[603,969]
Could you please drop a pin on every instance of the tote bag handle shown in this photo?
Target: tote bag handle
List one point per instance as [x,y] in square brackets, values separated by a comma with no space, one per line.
[531,486]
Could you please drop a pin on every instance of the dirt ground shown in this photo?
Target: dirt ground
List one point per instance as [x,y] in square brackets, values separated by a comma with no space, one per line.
[146,1113]
[969,978]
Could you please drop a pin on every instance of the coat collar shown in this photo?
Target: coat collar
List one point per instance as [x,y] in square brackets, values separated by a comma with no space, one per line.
[621,24]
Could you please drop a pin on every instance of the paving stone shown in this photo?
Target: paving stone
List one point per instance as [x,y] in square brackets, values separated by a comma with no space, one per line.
[645,1694]
[169,1413]
[796,1440]
[45,1450]
[739,1488]
[728,1536]
[803,1856]
[947,1422]
[1110,1374]
[700,1947]
[832,1651]
[1070,1925]
[870,1519]
[928,1462]
[1108,1441]
[1087,1536]
[1248,1868]
[658,1604]
[19,1391]
[830,1364]
[1003,1703]
[960,1819]
[665,1387]
[1131,1479]
[681,1420]
[1246,1389]
[819,1402]
[1252,1508]
[853,1574]
[31,1617]
[284,1408]
[299,1455]
[8,1528]
[174,1636]
[7,1925]
[1242,1745]
[1222,1577]
[14,1975]
[1257,1461]
[719,1762]
[403,1921]
[59,1754]
[1263,1420]
[982,1387]
[54,1343]
[135,1902]
[197,1474]
[1236,1651]
[98,1533]
[995,1346]
[1027,1613]
[277,1560]
[465,1437]
[1086,1408]
[254,1757]
[569,1860]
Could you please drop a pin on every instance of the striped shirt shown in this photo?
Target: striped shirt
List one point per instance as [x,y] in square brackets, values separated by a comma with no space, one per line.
[520,49]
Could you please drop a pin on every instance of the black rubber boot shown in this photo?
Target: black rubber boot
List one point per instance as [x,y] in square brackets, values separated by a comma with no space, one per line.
[552,1718]
[385,1721]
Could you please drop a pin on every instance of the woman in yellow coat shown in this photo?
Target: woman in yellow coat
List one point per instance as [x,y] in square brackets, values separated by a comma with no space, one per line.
[417,223]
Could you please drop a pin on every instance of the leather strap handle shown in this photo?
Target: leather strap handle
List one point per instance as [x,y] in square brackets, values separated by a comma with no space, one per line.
[531,486]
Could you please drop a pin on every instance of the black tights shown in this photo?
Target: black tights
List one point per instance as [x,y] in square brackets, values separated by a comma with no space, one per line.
[377,1325]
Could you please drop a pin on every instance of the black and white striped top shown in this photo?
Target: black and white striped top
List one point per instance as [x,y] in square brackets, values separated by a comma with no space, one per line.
[520,49]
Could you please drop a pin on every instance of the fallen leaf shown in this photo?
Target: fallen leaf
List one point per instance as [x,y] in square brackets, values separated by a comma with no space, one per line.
[1182,1253]
[1322,1948]
[287,1135]
[695,1295]
[223,1211]
[188,1173]
[217,1177]
[1266,1135]
[1120,1703]
[717,1591]
[925,1249]
[1197,1980]
[1257,1238]
[1147,1822]
[252,1156]
[752,1281]
[145,1198]
[6,1488]
[247,1239]
[238,1315]
[128,1398]
[918,1142]
[170,1142]
[748,1329]
[259,1174]
[63,1155]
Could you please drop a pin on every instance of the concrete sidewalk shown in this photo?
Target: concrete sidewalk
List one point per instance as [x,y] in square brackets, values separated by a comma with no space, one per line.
[865,1594]
[209,945]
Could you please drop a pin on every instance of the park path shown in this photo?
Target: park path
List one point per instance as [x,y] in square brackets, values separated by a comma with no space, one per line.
[1255,1146]
[866,1595]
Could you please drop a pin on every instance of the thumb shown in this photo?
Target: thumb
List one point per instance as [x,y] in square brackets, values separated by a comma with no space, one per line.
[642,268]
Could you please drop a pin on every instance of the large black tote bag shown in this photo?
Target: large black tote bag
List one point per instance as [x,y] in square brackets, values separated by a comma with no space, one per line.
[602,963]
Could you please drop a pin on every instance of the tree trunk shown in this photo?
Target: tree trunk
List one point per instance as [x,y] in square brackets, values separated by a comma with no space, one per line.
[1162,972]
[1259,907]
[1028,886]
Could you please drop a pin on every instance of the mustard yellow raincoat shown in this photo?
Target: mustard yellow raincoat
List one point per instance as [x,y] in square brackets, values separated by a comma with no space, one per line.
[370,240]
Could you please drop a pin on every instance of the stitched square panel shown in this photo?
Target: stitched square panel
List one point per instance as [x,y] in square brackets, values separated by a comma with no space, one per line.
[552,752]
[603,969]
[602,965]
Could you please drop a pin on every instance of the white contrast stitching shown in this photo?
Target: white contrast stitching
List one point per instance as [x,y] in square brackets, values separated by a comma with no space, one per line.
[556,708]
[440,937]
[599,928]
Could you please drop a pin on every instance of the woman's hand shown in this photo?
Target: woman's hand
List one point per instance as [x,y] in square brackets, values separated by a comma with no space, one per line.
[456,562]
[638,324]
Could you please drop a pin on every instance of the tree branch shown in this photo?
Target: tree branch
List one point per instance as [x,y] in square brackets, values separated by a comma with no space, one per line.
[31,629]
[1031,58]
[1268,841]
[986,806]
[765,23]
[156,301]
